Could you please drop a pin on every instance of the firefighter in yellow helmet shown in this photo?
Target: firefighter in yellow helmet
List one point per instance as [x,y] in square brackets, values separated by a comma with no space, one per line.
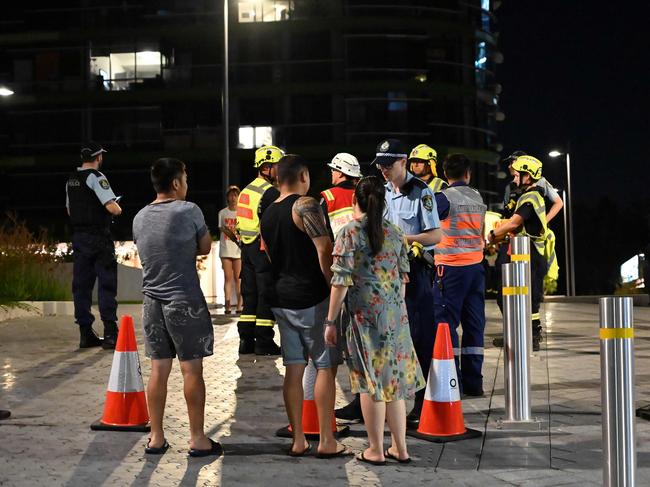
[422,164]
[528,219]
[257,320]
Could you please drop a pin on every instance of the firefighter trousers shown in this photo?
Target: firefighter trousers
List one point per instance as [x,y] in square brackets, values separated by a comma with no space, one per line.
[256,320]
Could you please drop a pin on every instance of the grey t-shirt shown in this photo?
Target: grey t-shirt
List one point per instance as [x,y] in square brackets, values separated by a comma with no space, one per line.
[167,236]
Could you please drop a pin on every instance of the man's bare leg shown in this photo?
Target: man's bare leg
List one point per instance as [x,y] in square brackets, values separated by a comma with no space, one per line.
[293,397]
[157,397]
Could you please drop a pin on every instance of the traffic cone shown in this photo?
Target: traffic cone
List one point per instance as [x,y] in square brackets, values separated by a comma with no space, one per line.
[126,406]
[441,419]
[310,423]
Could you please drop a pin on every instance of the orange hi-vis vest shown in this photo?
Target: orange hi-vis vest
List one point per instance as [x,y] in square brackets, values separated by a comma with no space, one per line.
[339,206]
[462,241]
[248,220]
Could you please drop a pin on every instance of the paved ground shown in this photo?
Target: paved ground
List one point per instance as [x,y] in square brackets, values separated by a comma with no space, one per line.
[55,392]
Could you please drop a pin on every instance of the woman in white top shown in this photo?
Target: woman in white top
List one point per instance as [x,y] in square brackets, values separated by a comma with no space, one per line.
[229,251]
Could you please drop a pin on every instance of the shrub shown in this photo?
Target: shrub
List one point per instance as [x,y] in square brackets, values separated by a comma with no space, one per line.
[27,265]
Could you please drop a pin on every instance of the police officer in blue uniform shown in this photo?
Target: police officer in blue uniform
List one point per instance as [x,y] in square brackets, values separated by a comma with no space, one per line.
[411,205]
[91,204]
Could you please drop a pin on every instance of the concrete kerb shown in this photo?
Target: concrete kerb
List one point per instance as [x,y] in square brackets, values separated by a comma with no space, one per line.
[25,309]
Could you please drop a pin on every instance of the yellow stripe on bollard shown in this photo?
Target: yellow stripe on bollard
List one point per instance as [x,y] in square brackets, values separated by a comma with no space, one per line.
[611,333]
[520,258]
[516,290]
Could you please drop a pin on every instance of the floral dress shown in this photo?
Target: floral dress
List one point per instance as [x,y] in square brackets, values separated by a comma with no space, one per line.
[381,357]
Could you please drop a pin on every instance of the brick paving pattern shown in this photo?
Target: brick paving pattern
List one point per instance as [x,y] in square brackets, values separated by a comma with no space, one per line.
[55,392]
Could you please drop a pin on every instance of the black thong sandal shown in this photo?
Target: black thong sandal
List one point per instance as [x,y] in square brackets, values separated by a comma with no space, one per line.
[388,454]
[215,449]
[292,453]
[377,463]
[150,450]
[339,453]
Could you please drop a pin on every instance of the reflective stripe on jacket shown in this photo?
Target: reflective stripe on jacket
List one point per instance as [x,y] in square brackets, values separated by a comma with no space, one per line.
[438,184]
[533,197]
[248,220]
[339,207]
[462,240]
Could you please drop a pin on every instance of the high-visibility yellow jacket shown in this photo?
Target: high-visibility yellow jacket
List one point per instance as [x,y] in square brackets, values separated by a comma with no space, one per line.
[437,184]
[248,220]
[533,197]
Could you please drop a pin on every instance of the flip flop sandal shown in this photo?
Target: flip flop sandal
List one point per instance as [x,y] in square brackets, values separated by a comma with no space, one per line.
[363,459]
[149,450]
[340,453]
[215,449]
[292,453]
[387,454]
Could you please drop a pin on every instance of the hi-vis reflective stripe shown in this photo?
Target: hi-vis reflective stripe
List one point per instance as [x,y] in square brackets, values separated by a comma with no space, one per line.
[520,258]
[261,322]
[247,318]
[125,373]
[328,195]
[472,350]
[611,333]
[535,316]
[442,376]
[515,290]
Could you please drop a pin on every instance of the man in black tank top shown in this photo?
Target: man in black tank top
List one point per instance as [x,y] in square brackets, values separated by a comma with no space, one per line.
[297,242]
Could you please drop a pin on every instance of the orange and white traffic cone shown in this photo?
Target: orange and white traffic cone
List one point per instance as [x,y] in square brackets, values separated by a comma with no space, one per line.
[441,419]
[310,424]
[126,405]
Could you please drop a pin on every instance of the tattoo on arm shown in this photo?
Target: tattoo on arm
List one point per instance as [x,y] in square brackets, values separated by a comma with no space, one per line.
[311,215]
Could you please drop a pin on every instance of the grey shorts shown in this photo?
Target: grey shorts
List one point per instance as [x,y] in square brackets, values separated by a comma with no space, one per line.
[176,328]
[301,332]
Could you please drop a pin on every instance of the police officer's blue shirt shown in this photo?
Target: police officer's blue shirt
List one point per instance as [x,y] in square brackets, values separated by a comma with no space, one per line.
[413,208]
[99,184]
[443,203]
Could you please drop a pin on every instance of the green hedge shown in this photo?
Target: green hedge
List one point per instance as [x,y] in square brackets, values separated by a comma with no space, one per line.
[27,265]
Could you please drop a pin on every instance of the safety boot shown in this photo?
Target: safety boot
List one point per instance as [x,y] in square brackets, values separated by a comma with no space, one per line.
[266,347]
[246,346]
[351,412]
[110,335]
[88,338]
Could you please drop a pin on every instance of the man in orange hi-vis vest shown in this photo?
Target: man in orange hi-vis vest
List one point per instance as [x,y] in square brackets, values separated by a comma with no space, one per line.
[459,288]
[337,201]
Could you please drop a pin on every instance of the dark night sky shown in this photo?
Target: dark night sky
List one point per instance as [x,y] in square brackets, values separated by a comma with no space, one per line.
[578,71]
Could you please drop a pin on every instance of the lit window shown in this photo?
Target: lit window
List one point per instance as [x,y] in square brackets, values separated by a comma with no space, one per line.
[118,70]
[397,101]
[265,10]
[252,137]
[481,56]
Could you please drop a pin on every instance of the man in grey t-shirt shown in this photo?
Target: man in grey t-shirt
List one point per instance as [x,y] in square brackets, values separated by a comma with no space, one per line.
[169,233]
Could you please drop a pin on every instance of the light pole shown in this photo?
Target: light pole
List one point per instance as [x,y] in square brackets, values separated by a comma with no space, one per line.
[568,226]
[225,105]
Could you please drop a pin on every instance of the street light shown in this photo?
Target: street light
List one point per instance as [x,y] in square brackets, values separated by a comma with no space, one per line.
[568,227]
[5,91]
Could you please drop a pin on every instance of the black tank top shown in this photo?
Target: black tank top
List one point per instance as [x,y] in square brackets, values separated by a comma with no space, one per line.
[299,282]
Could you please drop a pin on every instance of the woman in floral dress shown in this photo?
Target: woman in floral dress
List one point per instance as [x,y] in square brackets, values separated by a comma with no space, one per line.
[371,264]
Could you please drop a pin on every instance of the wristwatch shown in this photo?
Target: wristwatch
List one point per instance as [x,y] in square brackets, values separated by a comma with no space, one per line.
[329,322]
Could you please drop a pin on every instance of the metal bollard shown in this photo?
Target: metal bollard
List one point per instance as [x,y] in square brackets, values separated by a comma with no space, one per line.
[520,252]
[617,391]
[516,329]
